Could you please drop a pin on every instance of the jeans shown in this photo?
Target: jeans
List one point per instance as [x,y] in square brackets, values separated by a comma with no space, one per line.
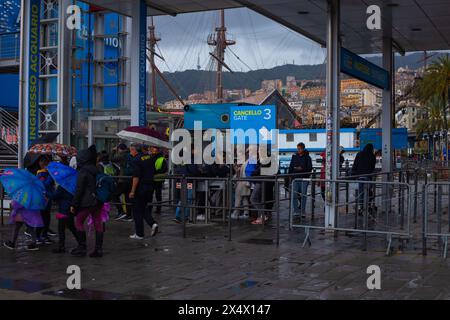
[190,197]
[256,199]
[300,190]
[361,190]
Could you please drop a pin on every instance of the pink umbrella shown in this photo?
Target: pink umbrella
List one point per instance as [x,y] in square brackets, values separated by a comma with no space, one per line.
[144,135]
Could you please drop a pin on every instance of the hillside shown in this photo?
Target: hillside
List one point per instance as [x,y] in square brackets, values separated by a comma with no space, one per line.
[198,81]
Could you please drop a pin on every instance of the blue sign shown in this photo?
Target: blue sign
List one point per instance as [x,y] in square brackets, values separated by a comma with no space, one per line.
[261,119]
[364,70]
[374,136]
[143,63]
[212,116]
[33,70]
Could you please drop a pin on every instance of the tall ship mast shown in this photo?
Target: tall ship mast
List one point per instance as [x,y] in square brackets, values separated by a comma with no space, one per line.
[219,40]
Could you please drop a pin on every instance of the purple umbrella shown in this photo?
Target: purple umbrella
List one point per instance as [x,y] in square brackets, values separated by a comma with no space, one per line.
[144,135]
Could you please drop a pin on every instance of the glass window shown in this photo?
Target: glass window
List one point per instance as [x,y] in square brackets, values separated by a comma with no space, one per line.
[289,137]
[312,137]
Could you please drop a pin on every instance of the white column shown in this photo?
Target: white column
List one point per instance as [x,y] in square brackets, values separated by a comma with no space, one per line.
[386,115]
[29,75]
[332,111]
[99,56]
[64,103]
[138,61]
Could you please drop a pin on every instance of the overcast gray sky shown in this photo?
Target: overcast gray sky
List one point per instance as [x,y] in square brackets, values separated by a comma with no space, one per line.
[261,42]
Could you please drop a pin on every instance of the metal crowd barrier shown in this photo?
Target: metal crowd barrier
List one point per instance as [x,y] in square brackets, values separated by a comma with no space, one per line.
[434,221]
[367,218]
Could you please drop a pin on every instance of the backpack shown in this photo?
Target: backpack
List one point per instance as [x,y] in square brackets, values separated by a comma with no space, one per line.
[104,187]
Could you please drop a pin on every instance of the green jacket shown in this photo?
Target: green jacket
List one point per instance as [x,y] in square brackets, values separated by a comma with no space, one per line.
[160,168]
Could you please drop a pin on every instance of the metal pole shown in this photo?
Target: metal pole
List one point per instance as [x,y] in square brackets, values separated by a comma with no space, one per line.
[183,203]
[439,213]
[277,208]
[416,190]
[424,219]
[230,205]
[332,110]
[313,194]
[366,213]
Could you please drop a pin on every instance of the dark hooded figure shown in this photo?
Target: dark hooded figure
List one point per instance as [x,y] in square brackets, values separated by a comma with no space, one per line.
[85,203]
[364,161]
[364,164]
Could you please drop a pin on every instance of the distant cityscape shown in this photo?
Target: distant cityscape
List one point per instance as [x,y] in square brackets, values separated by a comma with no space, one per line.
[360,102]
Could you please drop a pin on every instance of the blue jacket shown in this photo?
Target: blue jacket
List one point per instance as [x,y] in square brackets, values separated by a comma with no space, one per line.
[64,199]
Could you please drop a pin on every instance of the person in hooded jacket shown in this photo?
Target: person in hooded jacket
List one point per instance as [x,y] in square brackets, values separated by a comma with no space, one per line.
[85,203]
[364,164]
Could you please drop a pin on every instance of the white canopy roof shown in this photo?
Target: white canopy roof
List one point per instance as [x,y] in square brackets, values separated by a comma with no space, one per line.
[417,25]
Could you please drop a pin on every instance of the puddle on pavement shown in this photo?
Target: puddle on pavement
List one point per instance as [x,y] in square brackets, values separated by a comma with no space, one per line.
[23,285]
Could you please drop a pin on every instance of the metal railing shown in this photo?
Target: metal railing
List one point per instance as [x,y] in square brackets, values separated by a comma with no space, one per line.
[367,218]
[435,218]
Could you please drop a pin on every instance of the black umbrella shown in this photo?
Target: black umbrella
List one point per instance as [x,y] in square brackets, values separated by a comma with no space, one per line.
[46,138]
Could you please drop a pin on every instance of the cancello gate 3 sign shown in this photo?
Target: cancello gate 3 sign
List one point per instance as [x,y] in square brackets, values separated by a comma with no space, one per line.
[33,73]
[260,118]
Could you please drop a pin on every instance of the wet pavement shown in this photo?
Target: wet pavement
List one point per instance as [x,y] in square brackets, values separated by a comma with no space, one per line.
[205,265]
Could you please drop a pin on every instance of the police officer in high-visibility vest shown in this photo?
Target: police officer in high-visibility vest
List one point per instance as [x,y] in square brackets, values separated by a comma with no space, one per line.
[143,172]
[158,177]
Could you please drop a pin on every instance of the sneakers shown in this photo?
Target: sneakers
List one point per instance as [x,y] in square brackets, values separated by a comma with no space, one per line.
[27,234]
[40,241]
[121,217]
[51,233]
[32,247]
[9,245]
[154,229]
[201,217]
[234,216]
[136,237]
[243,216]
[177,220]
[128,219]
[47,240]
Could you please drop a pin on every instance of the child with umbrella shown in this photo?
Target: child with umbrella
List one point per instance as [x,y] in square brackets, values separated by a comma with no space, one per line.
[66,178]
[28,199]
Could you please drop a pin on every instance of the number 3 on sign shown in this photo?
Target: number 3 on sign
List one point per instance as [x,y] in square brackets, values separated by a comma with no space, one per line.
[268,114]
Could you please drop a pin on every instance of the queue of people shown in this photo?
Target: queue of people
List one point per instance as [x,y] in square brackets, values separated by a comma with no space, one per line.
[95,189]
[136,198]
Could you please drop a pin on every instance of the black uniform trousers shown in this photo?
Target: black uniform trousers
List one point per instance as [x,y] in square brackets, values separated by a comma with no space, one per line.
[141,213]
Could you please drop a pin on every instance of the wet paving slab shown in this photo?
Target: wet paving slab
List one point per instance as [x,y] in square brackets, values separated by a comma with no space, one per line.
[205,265]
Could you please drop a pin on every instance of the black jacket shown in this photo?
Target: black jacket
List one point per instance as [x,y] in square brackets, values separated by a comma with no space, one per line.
[64,199]
[364,161]
[86,179]
[303,161]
